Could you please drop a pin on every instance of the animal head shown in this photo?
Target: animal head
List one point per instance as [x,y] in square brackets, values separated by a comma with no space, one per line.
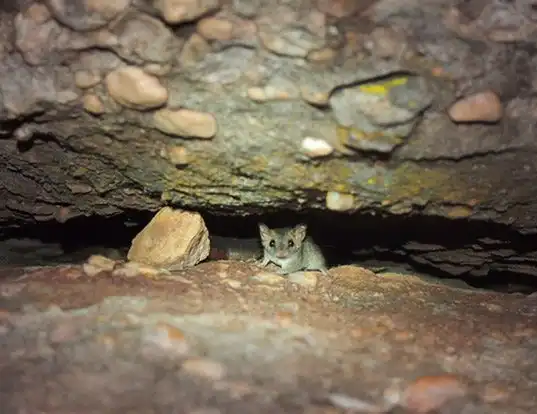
[282,243]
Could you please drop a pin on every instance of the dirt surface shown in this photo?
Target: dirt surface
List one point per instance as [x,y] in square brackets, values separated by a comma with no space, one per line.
[224,337]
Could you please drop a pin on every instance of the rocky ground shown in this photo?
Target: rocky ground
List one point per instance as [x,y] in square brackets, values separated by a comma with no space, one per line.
[228,337]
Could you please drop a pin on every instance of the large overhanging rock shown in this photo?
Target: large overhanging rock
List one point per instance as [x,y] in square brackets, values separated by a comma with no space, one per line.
[393,107]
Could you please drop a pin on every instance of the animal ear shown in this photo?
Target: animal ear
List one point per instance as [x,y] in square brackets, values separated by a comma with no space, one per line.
[300,231]
[263,230]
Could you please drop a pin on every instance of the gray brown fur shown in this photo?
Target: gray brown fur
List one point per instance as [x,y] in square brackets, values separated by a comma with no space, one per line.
[291,249]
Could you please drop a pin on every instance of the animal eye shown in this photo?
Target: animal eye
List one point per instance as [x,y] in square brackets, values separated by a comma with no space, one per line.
[290,243]
[272,243]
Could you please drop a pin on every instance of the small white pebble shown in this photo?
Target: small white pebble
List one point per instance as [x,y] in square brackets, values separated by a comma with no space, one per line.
[316,147]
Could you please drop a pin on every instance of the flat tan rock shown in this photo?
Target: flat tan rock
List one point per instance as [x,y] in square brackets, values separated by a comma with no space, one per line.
[173,239]
[133,88]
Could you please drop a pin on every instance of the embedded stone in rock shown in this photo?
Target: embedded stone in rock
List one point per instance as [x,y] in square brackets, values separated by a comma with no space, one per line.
[173,239]
[42,39]
[481,107]
[385,42]
[338,201]
[178,155]
[395,101]
[275,90]
[322,55]
[194,50]
[185,123]
[246,8]
[228,29]
[294,42]
[178,11]
[316,147]
[86,15]
[159,45]
[133,88]
[342,8]
[85,79]
[213,28]
[157,69]
[383,141]
[93,104]
[314,96]
[224,67]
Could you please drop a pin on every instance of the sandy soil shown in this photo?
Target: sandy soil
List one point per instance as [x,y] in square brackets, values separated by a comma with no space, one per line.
[215,339]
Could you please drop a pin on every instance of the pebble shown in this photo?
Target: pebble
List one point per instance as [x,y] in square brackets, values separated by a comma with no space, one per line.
[178,11]
[322,55]
[212,28]
[86,79]
[96,264]
[428,393]
[86,15]
[185,123]
[337,201]
[178,155]
[93,104]
[131,87]
[157,69]
[385,43]
[316,147]
[480,107]
[205,368]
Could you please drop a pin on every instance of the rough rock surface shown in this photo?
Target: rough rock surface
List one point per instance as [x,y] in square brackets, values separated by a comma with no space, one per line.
[81,84]
[211,339]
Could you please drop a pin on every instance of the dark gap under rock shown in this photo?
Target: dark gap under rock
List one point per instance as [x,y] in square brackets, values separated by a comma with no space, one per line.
[480,254]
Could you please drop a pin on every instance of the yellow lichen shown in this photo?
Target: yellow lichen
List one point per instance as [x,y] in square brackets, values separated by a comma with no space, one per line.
[438,185]
[383,87]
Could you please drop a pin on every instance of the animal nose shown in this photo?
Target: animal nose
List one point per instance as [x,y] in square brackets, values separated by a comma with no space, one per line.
[281,254]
